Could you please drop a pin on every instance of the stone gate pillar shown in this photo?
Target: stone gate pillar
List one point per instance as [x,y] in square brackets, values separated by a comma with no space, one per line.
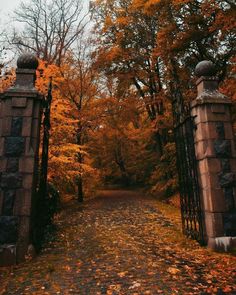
[20,116]
[216,157]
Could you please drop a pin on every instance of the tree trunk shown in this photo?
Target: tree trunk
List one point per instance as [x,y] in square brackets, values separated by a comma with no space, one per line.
[121,164]
[80,189]
[80,193]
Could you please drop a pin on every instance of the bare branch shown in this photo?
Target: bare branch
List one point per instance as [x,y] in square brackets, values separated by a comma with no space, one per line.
[51,27]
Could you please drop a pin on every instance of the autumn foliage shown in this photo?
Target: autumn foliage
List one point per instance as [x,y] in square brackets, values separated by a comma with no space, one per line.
[150,48]
[113,92]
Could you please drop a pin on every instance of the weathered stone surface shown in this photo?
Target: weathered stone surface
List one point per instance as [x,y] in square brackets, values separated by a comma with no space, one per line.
[209,165]
[26,165]
[206,130]
[229,220]
[222,244]
[225,165]
[27,126]
[214,141]
[7,255]
[29,151]
[37,113]
[22,206]
[229,198]
[14,146]
[6,126]
[229,134]
[204,148]
[204,114]
[25,79]
[209,180]
[3,163]
[19,102]
[1,201]
[6,108]
[28,181]
[207,90]
[2,141]
[34,146]
[16,126]
[8,229]
[11,180]
[8,202]
[220,130]
[233,165]
[24,229]
[219,109]
[205,68]
[12,164]
[22,251]
[227,179]
[213,199]
[27,111]
[1,121]
[27,61]
[19,136]
[35,128]
[222,148]
[23,238]
[214,224]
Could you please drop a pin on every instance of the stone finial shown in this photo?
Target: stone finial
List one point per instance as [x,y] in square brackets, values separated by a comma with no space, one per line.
[27,61]
[205,68]
[207,82]
[27,64]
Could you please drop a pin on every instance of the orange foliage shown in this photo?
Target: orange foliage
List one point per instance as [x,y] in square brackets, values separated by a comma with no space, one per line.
[151,47]
[64,167]
[6,80]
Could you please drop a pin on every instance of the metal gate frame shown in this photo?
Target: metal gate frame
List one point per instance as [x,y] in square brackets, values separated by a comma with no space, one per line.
[190,199]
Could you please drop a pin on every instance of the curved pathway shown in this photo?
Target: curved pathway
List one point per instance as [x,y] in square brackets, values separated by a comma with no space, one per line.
[121,243]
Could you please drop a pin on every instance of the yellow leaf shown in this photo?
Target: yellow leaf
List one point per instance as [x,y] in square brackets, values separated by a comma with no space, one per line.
[122,274]
[173,270]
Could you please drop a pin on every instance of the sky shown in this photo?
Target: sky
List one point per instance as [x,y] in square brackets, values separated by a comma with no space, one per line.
[6,10]
[6,7]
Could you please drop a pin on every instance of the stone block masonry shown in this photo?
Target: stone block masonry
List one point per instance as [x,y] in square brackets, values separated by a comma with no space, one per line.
[216,156]
[20,117]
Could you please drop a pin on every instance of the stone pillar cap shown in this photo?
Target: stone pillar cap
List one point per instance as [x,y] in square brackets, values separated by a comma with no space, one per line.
[205,68]
[27,61]
[207,84]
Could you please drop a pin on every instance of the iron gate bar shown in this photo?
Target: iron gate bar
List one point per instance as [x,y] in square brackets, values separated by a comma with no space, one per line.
[39,215]
[191,212]
[45,144]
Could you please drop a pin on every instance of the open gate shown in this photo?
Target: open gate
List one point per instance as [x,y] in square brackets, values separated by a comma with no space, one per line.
[42,209]
[192,217]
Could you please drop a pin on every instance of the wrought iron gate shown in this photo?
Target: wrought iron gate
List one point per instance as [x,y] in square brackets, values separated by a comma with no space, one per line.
[192,219]
[41,210]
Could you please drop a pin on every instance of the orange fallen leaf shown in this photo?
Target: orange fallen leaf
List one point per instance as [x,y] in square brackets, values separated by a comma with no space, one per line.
[173,270]
[122,274]
[227,289]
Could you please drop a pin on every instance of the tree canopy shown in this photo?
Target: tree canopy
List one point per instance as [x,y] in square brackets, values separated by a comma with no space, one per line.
[115,80]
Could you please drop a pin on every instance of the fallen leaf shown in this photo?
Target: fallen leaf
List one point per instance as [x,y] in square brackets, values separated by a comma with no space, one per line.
[173,270]
[122,274]
[135,285]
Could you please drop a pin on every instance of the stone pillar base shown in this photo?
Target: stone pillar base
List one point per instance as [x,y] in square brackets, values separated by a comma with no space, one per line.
[7,255]
[222,244]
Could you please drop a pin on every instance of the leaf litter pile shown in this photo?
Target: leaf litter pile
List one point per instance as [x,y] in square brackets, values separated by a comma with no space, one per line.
[121,243]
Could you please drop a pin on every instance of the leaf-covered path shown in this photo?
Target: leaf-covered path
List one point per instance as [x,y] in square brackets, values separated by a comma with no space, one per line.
[121,243]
